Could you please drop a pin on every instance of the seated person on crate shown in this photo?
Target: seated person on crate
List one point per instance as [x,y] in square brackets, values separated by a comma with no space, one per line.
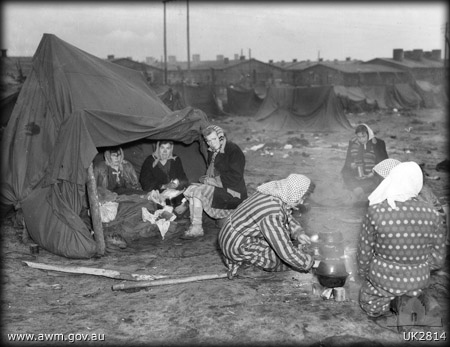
[401,241]
[223,187]
[163,171]
[363,153]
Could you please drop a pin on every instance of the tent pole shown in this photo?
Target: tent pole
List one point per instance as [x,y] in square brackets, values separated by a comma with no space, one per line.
[94,207]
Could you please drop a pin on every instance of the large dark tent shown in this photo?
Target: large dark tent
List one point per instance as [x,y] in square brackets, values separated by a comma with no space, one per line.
[71,104]
[403,96]
[433,96]
[202,97]
[243,101]
[399,96]
[302,108]
[354,100]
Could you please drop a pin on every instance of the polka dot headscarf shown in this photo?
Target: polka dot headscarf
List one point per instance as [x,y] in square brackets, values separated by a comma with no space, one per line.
[290,190]
[384,167]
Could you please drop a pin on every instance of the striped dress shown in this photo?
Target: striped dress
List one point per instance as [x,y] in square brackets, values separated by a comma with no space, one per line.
[397,249]
[257,232]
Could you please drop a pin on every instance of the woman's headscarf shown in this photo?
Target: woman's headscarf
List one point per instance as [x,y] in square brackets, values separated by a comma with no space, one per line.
[156,154]
[220,134]
[383,168]
[369,131]
[222,139]
[121,157]
[290,190]
[404,182]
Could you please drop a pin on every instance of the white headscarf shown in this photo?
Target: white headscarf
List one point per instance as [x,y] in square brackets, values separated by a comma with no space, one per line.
[369,131]
[404,182]
[383,168]
[108,161]
[290,190]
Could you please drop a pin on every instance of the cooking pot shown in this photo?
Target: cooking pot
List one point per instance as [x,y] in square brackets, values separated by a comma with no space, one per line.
[331,274]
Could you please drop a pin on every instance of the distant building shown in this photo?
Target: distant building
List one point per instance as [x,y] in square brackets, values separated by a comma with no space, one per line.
[346,73]
[153,74]
[426,66]
[223,72]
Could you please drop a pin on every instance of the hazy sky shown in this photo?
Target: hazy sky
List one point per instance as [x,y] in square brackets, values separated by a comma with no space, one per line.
[269,29]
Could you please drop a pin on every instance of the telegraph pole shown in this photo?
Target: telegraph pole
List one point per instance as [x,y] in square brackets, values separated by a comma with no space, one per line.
[446,46]
[188,43]
[165,44]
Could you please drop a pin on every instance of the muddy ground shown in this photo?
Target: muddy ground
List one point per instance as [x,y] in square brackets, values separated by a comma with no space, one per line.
[255,309]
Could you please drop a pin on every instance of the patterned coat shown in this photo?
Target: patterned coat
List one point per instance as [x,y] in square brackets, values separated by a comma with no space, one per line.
[257,232]
[398,248]
[373,153]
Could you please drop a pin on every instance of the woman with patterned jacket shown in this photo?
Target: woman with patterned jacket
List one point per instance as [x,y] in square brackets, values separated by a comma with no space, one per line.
[402,239]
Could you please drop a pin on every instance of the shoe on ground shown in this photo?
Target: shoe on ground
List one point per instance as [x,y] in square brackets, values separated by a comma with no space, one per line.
[193,232]
[247,270]
[115,240]
[388,321]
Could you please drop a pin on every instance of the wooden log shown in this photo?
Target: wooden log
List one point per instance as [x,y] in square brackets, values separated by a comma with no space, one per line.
[94,207]
[94,271]
[162,282]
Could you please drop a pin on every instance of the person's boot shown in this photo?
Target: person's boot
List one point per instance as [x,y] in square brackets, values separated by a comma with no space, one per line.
[195,229]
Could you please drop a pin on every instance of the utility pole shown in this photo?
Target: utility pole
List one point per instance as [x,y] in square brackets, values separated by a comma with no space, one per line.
[188,42]
[165,43]
[446,46]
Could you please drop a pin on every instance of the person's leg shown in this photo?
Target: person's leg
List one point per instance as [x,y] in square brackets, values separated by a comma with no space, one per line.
[374,301]
[196,210]
[260,254]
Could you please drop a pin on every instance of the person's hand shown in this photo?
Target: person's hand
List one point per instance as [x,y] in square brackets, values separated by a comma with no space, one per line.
[171,185]
[210,181]
[303,239]
[202,179]
[298,234]
[180,209]
[353,165]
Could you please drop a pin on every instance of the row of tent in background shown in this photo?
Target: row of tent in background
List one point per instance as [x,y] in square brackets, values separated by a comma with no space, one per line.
[243,101]
[315,108]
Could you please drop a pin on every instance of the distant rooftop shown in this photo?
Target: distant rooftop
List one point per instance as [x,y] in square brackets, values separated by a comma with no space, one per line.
[358,67]
[411,63]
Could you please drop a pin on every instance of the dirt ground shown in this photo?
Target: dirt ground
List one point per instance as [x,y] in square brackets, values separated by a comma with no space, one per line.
[254,309]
